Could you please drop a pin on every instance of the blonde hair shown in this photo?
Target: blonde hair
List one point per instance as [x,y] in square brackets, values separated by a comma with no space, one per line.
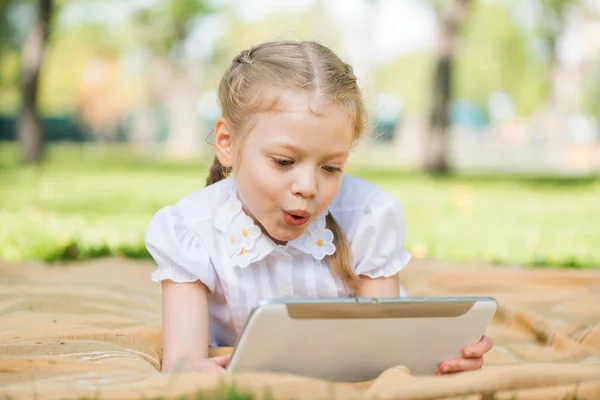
[255,82]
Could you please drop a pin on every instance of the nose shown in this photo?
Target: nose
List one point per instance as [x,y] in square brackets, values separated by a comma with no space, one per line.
[305,184]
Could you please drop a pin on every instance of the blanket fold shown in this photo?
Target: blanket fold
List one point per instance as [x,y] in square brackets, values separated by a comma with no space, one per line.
[92,330]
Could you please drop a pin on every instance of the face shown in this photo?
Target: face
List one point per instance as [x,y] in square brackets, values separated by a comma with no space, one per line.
[288,167]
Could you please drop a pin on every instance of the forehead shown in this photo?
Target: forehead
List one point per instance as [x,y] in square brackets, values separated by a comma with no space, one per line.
[305,119]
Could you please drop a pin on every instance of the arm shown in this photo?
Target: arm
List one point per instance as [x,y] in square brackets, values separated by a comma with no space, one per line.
[186,328]
[472,358]
[187,276]
[377,247]
[379,287]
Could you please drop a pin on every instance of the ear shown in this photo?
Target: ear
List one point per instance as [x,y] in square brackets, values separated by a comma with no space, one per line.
[223,142]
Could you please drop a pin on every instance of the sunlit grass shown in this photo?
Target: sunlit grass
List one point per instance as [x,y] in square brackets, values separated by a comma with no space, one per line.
[96,201]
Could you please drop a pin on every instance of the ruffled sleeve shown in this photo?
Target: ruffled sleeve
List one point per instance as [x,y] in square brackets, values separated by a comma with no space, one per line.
[377,245]
[177,250]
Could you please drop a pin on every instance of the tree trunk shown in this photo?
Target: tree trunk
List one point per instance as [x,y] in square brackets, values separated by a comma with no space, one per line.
[438,140]
[32,56]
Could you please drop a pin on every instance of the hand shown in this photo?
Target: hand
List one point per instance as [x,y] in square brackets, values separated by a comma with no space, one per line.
[472,358]
[210,365]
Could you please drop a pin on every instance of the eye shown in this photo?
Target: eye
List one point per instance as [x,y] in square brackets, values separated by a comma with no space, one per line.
[332,170]
[282,162]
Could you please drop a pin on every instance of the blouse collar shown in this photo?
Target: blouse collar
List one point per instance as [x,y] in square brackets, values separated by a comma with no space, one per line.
[246,243]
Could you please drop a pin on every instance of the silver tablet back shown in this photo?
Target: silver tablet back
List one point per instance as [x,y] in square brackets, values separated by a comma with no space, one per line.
[356,339]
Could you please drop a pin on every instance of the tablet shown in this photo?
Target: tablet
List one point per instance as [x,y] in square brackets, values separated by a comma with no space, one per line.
[356,339]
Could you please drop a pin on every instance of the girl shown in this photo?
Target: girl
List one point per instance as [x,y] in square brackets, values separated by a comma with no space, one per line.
[289,223]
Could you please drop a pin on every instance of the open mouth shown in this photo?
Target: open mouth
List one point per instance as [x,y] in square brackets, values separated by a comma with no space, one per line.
[296,218]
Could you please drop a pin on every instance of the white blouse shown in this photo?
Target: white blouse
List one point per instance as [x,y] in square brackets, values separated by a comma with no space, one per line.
[207,236]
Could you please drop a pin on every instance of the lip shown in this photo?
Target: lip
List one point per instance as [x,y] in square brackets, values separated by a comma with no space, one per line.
[296,217]
[298,213]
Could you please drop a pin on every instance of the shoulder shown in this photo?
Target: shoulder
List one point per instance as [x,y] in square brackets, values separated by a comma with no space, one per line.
[202,204]
[374,223]
[357,197]
[191,217]
[354,193]
[360,204]
[178,236]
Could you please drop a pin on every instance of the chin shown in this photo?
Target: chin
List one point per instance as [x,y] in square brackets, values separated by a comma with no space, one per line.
[286,235]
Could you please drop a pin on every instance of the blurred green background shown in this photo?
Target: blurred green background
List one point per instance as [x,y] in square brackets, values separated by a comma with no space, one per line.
[124,99]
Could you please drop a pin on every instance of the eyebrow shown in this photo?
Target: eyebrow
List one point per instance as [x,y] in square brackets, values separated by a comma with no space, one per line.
[300,150]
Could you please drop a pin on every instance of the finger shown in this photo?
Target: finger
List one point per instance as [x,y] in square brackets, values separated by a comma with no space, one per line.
[221,361]
[479,349]
[215,369]
[460,365]
[209,366]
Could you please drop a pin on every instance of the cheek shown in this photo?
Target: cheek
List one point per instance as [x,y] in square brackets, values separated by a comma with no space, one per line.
[258,187]
[328,192]
[267,187]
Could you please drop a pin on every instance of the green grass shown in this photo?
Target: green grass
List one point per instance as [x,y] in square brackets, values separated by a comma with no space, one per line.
[88,201]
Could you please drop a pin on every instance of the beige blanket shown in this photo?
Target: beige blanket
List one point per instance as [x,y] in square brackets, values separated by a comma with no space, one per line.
[93,331]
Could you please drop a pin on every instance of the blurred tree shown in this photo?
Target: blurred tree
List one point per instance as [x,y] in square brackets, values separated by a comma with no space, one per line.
[163,29]
[406,76]
[163,26]
[29,131]
[591,94]
[591,91]
[550,25]
[552,19]
[494,57]
[450,15]
[7,46]
[5,31]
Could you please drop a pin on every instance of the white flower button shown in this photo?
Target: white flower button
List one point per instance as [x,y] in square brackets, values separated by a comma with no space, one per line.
[227,213]
[244,257]
[320,242]
[242,234]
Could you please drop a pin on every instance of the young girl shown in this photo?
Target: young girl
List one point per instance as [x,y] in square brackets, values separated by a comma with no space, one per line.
[289,223]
